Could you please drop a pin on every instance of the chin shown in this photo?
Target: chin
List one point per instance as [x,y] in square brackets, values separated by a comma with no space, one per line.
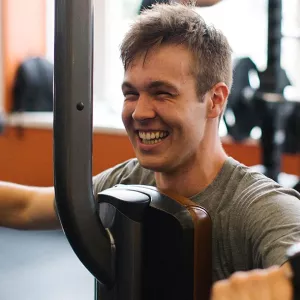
[152,165]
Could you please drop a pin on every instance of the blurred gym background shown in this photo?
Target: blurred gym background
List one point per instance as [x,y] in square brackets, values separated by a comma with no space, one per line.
[260,128]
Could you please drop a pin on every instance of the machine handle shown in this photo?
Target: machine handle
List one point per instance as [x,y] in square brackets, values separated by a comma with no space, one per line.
[73,128]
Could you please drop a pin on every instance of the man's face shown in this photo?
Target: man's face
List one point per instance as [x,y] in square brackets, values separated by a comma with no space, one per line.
[163,116]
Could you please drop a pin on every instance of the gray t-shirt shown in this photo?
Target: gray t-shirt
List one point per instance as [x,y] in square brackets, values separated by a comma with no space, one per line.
[254,219]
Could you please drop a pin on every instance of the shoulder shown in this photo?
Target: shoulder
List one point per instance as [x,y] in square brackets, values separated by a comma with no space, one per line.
[258,186]
[128,172]
[253,197]
[251,184]
[265,216]
[261,202]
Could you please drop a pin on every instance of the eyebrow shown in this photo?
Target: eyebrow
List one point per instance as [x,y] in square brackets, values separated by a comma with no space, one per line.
[127,85]
[152,85]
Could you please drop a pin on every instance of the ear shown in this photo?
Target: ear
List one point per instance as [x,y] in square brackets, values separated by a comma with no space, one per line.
[217,98]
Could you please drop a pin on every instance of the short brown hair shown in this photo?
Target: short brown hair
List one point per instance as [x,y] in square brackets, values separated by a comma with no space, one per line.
[182,25]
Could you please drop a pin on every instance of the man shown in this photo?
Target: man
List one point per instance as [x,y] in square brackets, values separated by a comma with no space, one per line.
[178,75]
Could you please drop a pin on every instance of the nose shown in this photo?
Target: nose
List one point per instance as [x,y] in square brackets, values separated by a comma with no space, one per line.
[144,109]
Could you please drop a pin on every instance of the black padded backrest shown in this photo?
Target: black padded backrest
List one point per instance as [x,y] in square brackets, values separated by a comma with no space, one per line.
[202,246]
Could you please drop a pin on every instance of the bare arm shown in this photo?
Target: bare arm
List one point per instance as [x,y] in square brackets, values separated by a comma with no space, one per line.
[24,207]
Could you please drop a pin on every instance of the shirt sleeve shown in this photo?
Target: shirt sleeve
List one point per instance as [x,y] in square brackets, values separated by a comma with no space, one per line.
[272,225]
[123,173]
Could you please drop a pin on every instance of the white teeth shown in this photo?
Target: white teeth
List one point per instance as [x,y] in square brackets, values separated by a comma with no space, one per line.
[151,142]
[152,135]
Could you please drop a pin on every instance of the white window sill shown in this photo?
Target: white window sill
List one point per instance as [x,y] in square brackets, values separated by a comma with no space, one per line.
[103,123]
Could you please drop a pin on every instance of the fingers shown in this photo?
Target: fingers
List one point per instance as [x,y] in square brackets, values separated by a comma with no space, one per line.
[243,286]
[250,285]
[269,284]
[222,291]
[279,285]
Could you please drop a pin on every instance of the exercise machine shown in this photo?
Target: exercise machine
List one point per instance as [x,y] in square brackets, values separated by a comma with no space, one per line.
[266,105]
[139,243]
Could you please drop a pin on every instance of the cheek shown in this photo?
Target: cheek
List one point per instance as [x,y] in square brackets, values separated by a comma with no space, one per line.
[195,122]
[127,111]
[170,114]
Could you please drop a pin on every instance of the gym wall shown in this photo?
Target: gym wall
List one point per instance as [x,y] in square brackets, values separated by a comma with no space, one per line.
[27,159]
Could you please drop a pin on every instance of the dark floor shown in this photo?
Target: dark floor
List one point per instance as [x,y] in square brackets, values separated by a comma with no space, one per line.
[40,265]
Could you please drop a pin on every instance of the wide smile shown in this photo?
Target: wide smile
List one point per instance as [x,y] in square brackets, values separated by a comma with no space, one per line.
[149,139]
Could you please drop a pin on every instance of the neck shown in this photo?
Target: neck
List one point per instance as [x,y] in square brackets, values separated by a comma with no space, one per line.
[199,172]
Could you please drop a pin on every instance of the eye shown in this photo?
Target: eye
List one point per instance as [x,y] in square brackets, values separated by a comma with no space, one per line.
[130,95]
[163,93]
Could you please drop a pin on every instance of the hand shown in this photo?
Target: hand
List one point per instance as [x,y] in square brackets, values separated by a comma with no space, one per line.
[267,284]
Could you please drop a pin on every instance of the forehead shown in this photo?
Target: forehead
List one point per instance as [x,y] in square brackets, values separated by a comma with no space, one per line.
[168,62]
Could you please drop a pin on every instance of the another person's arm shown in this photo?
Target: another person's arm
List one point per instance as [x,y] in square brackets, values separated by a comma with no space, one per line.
[25,207]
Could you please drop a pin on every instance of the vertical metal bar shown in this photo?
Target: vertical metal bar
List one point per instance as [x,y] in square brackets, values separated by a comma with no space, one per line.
[273,80]
[73,127]
[274,40]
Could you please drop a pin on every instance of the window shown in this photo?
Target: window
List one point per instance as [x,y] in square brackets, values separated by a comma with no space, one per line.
[112,19]
[290,45]
[244,22]
[119,14]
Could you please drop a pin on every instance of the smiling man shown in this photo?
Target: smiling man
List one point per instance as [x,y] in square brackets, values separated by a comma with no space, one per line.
[177,78]
[172,125]
[178,74]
